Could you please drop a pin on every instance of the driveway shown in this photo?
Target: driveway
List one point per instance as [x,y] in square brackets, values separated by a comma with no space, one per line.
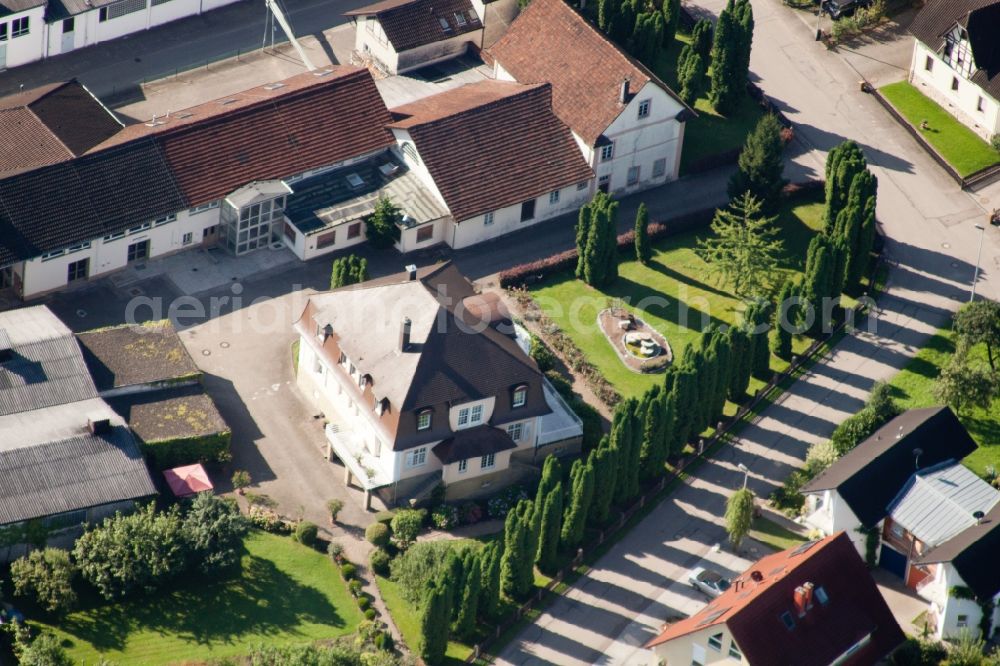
[932,244]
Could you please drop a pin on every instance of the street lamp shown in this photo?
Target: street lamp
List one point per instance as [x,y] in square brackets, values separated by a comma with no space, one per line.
[979,255]
[746,473]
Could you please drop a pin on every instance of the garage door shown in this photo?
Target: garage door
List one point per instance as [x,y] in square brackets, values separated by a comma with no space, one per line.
[892,561]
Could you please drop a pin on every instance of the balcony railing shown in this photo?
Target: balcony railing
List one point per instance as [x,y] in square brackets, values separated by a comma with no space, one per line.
[352,452]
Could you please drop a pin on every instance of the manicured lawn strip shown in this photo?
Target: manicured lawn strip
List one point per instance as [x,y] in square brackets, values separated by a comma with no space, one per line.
[773,535]
[955,142]
[287,594]
[914,387]
[678,293]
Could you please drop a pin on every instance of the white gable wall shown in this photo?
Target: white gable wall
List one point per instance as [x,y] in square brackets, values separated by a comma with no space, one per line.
[371,41]
[26,48]
[829,513]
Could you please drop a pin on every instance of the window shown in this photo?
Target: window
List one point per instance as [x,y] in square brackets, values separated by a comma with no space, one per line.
[114,237]
[697,655]
[715,642]
[102,15]
[604,183]
[463,416]
[734,651]
[929,64]
[444,24]
[954,83]
[477,414]
[981,105]
[410,152]
[962,621]
[515,430]
[142,227]
[202,208]
[78,270]
[581,186]
[644,108]
[424,420]
[460,19]
[3,32]
[79,246]
[473,16]
[138,251]
[554,197]
[19,27]
[633,175]
[786,617]
[528,210]
[326,240]
[187,238]
[68,25]
[463,466]
[520,396]
[425,233]
[354,230]
[416,457]
[209,231]
[659,167]
[488,219]
[53,254]
[821,596]
[120,8]
[487,461]
[607,151]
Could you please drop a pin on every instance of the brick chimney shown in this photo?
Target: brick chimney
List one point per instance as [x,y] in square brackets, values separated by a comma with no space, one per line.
[803,598]
[404,335]
[98,425]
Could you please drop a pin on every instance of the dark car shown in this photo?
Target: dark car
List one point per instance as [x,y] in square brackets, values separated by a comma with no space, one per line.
[838,8]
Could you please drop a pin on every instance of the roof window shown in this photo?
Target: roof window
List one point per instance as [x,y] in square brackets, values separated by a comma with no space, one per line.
[444,24]
[460,19]
[786,617]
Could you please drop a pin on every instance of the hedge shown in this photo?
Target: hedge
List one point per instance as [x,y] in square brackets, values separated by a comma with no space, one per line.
[169,453]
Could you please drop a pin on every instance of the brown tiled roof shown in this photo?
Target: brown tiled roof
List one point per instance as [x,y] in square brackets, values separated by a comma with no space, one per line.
[412,23]
[50,124]
[492,144]
[271,131]
[473,443]
[551,42]
[752,609]
[981,18]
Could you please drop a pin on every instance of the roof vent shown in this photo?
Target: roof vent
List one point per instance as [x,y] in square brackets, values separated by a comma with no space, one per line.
[354,180]
[228,101]
[98,425]
[756,576]
[154,122]
[978,515]
[323,72]
[411,272]
[274,86]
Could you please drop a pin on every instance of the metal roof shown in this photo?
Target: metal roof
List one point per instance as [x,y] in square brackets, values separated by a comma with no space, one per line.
[939,502]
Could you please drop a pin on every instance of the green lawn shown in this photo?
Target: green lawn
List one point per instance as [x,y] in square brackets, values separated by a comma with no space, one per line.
[676,293]
[774,535]
[708,134]
[955,142]
[914,387]
[287,593]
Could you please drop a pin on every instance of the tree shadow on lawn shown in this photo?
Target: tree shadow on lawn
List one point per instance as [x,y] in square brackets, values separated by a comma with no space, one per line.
[660,267]
[263,601]
[663,306]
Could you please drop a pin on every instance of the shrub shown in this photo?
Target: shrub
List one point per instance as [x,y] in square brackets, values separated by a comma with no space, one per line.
[267,520]
[364,601]
[562,385]
[189,450]
[355,586]
[47,576]
[542,355]
[335,550]
[470,512]
[995,142]
[45,650]
[333,507]
[445,517]
[406,525]
[500,505]
[370,614]
[378,534]
[241,479]
[306,533]
[260,499]
[214,529]
[421,563]
[383,641]
[348,570]
[918,652]
[384,517]
[379,561]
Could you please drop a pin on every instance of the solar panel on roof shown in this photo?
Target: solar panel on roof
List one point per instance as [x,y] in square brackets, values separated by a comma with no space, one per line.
[713,617]
[804,547]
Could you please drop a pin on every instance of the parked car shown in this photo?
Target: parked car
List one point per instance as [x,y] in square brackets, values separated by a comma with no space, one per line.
[708,581]
[838,8]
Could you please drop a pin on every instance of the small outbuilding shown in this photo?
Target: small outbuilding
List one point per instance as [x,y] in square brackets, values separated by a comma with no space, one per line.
[188,481]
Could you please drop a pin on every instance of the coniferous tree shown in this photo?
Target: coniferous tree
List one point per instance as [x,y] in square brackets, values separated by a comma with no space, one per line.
[739,376]
[621,439]
[692,69]
[598,264]
[348,270]
[434,623]
[604,460]
[653,455]
[581,495]
[551,475]
[489,599]
[454,577]
[471,592]
[758,322]
[743,14]
[551,529]
[516,566]
[701,39]
[843,163]
[760,165]
[686,401]
[606,9]
[647,37]
[723,372]
[818,279]
[583,225]
[643,250]
[634,450]
[611,242]
[671,20]
[781,334]
[622,22]
[668,427]
[739,515]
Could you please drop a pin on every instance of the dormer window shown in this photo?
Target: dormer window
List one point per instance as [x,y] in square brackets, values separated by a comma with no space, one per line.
[520,397]
[424,420]
[381,406]
[444,24]
[363,381]
[460,19]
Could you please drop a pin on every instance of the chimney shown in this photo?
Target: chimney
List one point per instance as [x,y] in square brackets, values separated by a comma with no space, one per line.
[623,92]
[98,425]
[979,515]
[411,272]
[327,332]
[404,335]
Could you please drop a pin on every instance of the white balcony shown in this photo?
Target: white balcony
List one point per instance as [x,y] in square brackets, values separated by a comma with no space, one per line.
[351,450]
[562,423]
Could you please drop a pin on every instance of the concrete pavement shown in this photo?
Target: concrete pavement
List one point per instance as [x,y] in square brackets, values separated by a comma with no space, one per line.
[932,244]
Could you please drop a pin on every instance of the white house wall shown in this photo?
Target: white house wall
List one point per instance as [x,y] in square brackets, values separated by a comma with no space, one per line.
[370,40]
[26,48]
[835,515]
[107,256]
[961,103]
[440,232]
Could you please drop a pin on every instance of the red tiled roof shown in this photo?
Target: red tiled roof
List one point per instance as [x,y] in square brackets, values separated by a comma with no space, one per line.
[550,42]
[187,481]
[492,144]
[752,609]
[412,23]
[272,131]
[50,124]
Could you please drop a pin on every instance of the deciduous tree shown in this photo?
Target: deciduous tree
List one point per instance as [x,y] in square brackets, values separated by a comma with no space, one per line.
[979,322]
[46,576]
[214,529]
[739,516]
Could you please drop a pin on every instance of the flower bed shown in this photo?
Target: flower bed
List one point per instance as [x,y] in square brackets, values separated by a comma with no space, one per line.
[623,340]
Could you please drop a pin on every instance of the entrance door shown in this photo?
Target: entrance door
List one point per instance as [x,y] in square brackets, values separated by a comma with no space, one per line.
[68,27]
[892,561]
[138,251]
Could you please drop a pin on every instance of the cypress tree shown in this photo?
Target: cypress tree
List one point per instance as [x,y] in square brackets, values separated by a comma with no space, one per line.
[468,607]
[781,335]
[668,425]
[622,23]
[643,250]
[516,566]
[434,623]
[551,475]
[604,460]
[701,39]
[722,94]
[861,200]
[760,165]
[817,282]
[632,463]
[671,20]
[743,13]
[866,243]
[686,401]
[489,599]
[723,371]
[647,37]
[843,163]
[621,439]
[551,526]
[606,9]
[582,493]
[594,263]
[739,376]
[583,225]
[611,242]
[454,580]
[653,455]
[758,319]
[692,68]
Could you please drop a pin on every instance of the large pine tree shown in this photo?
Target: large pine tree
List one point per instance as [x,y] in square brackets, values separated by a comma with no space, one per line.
[760,165]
